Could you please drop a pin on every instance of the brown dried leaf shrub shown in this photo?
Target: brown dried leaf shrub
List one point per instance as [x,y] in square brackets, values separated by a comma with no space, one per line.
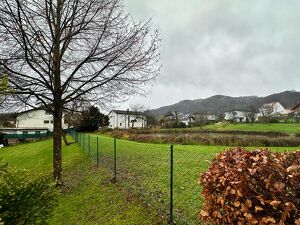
[258,187]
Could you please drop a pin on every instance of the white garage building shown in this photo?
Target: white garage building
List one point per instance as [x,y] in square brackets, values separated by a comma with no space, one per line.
[37,118]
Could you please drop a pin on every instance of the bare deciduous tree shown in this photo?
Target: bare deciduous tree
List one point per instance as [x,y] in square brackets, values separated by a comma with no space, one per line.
[251,114]
[201,118]
[138,113]
[57,51]
[266,112]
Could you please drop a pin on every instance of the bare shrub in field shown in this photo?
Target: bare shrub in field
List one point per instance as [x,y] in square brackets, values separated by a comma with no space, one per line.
[259,187]
[207,139]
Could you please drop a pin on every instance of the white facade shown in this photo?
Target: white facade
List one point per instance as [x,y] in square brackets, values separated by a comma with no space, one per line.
[272,109]
[126,120]
[211,117]
[37,119]
[237,116]
[186,119]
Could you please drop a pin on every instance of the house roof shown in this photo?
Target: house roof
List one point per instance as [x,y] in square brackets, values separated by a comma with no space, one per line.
[271,104]
[126,112]
[169,114]
[36,109]
[296,106]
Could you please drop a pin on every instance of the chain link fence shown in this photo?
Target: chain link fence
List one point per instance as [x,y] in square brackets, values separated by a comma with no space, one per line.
[164,177]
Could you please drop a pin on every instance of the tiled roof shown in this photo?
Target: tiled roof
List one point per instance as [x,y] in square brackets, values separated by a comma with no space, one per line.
[295,107]
[127,112]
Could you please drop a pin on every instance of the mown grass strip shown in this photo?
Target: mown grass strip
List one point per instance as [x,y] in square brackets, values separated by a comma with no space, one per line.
[88,197]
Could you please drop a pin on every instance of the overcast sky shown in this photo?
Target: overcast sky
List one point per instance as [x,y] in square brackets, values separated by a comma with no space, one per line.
[224,47]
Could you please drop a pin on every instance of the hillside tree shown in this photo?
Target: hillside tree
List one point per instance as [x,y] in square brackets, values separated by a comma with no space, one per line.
[201,118]
[138,112]
[57,52]
[92,119]
[151,120]
[251,114]
[266,113]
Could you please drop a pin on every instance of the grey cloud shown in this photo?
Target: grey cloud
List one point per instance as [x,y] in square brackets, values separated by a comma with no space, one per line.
[222,47]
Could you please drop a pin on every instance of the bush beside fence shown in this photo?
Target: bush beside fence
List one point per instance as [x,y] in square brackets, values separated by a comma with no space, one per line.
[258,187]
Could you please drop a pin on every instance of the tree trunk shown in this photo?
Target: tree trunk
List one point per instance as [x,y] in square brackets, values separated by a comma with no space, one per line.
[57,100]
[57,133]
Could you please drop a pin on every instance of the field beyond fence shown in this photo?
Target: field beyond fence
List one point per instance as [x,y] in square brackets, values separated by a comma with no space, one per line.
[164,177]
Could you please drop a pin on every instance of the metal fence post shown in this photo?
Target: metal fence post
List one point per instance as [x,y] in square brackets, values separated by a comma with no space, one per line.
[171,184]
[82,142]
[97,151]
[115,161]
[89,144]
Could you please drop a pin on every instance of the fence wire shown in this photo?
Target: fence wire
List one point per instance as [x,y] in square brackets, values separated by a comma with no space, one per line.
[143,170]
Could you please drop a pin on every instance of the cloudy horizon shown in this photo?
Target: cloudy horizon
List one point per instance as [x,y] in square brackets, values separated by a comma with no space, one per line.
[236,48]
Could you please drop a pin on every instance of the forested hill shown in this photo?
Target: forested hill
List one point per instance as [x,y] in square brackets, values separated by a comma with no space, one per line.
[218,104]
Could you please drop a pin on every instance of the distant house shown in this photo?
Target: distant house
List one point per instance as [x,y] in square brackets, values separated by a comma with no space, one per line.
[206,118]
[187,119]
[170,116]
[273,109]
[236,116]
[211,118]
[296,109]
[125,119]
[37,119]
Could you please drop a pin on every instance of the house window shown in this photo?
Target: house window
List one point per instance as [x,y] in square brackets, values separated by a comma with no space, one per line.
[51,121]
[47,112]
[120,124]
[46,121]
[37,132]
[25,132]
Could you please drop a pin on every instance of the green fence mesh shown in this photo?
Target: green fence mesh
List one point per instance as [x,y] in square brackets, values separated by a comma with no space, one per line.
[143,170]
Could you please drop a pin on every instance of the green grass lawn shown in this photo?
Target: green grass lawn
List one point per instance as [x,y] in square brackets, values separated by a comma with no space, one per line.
[141,193]
[289,128]
[37,156]
[143,170]
[88,197]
